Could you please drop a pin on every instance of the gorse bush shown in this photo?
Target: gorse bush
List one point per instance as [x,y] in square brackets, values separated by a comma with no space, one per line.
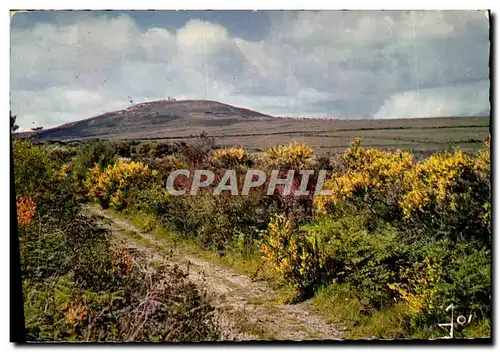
[446,192]
[422,287]
[292,255]
[448,196]
[482,168]
[111,186]
[230,158]
[287,157]
[343,251]
[371,181]
[440,273]
[435,182]
[294,156]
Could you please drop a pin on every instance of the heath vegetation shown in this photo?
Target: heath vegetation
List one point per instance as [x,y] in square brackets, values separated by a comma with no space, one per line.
[398,239]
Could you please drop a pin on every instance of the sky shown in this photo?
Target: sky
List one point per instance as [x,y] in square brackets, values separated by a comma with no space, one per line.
[70,65]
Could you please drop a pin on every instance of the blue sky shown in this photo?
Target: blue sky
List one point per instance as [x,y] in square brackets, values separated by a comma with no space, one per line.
[69,65]
[250,25]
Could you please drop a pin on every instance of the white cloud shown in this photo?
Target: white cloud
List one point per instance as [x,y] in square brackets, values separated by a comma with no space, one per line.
[196,34]
[467,100]
[351,64]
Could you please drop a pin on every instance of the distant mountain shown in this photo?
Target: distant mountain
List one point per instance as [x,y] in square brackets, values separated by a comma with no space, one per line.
[155,120]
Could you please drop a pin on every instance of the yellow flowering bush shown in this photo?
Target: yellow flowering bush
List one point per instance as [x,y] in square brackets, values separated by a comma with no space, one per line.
[450,193]
[421,288]
[438,180]
[230,157]
[111,185]
[293,256]
[482,167]
[292,156]
[370,176]
[449,190]
[482,161]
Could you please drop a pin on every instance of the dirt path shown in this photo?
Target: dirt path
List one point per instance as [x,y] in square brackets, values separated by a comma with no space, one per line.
[247,309]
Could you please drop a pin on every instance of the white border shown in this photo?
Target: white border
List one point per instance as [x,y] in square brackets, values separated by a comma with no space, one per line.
[270,5]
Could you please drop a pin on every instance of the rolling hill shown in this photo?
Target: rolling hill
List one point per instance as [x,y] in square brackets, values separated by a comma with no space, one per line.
[157,118]
[177,120]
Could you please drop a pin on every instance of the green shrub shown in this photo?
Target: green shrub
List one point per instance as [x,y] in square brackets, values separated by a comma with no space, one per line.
[166,165]
[215,222]
[91,153]
[145,149]
[351,254]
[33,169]
[165,149]
[62,155]
[123,149]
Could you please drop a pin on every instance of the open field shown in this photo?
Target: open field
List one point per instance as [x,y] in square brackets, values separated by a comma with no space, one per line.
[415,139]
[335,135]
[416,135]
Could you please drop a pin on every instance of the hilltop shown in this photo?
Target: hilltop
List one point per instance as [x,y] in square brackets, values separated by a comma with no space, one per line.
[153,119]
